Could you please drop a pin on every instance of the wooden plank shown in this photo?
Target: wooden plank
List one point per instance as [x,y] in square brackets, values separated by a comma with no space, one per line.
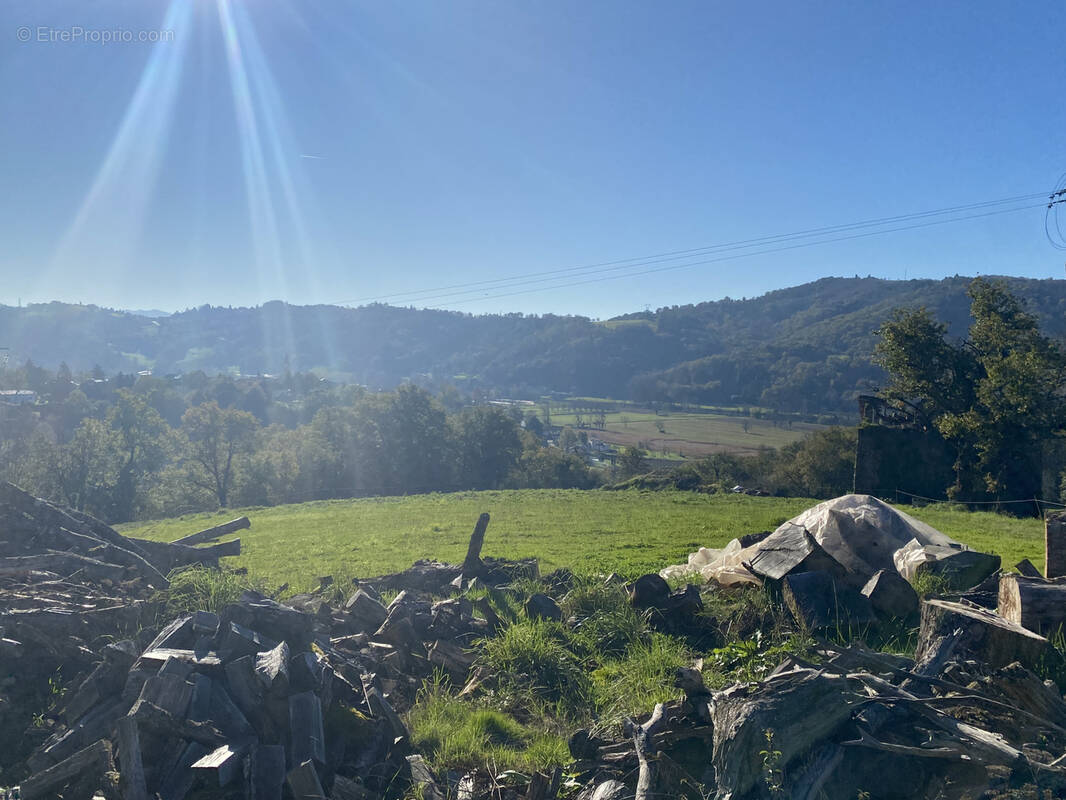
[202,660]
[213,533]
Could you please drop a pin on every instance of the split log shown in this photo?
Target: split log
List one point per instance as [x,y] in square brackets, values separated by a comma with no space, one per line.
[91,763]
[644,744]
[472,564]
[1033,603]
[367,613]
[818,602]
[265,772]
[180,778]
[303,782]
[382,709]
[171,693]
[792,550]
[214,533]
[1025,567]
[305,726]
[129,757]
[347,789]
[224,763]
[272,669]
[891,594]
[978,633]
[452,658]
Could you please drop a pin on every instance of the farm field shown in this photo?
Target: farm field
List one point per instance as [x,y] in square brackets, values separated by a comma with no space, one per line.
[589,531]
[691,434]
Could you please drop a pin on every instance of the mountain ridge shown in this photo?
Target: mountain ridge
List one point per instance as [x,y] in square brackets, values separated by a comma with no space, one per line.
[804,347]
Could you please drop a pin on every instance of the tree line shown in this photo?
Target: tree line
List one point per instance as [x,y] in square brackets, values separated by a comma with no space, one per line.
[144,448]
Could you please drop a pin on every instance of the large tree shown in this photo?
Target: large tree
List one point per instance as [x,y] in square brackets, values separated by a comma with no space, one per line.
[997,396]
[217,436]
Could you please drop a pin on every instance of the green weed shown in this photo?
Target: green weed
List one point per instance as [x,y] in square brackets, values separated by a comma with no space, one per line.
[201,589]
[456,734]
[537,662]
[634,683]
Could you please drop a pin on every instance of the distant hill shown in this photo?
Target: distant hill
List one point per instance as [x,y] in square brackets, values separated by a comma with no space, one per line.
[806,348]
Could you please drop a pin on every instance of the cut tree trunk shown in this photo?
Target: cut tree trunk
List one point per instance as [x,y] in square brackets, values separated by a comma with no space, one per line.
[978,634]
[1033,603]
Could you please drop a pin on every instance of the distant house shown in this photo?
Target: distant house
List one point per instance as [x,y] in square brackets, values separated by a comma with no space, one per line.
[18,397]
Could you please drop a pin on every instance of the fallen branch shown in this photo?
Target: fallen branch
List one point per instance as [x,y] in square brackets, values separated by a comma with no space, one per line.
[647,754]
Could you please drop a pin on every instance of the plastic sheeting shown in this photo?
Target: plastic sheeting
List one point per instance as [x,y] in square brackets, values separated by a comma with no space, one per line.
[861,532]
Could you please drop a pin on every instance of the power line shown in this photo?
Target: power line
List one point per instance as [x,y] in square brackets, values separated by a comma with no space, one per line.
[730,257]
[422,295]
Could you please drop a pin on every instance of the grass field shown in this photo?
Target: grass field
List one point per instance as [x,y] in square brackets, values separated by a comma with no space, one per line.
[693,434]
[589,531]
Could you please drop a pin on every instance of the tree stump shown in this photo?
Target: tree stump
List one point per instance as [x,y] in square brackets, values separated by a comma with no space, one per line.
[978,633]
[1033,603]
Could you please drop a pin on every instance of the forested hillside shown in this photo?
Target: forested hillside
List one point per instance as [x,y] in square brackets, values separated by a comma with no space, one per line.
[806,348]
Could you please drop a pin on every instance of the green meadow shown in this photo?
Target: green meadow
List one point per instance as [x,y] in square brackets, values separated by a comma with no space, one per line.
[629,532]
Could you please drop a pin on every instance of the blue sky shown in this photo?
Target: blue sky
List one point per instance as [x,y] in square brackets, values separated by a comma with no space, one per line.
[321,151]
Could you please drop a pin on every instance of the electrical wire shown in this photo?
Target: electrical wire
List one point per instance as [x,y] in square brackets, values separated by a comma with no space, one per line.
[437,293]
[730,257]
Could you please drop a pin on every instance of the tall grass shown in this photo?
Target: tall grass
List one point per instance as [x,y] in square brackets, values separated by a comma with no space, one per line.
[202,589]
[454,733]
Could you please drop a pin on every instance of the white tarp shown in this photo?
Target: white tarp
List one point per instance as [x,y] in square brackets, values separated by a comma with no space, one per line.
[861,532]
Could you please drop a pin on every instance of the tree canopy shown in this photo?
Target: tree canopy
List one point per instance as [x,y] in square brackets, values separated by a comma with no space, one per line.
[998,395]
